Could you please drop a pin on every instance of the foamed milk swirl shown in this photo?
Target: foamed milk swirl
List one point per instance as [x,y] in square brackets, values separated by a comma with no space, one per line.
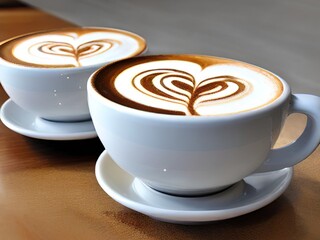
[188,85]
[73,47]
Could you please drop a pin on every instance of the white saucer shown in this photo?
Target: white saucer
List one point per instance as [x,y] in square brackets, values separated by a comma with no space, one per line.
[25,123]
[254,192]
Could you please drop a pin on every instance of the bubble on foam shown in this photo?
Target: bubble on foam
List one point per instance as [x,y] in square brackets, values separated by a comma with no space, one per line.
[183,86]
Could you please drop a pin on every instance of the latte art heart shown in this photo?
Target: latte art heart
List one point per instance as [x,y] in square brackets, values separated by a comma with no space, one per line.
[181,88]
[74,53]
[71,47]
[190,85]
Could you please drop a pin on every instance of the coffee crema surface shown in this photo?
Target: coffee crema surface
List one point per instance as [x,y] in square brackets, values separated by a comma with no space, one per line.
[187,85]
[71,47]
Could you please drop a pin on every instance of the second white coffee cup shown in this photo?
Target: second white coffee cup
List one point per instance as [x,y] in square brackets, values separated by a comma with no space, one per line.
[46,72]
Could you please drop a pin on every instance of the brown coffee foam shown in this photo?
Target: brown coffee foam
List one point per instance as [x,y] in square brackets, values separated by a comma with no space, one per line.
[105,77]
[7,46]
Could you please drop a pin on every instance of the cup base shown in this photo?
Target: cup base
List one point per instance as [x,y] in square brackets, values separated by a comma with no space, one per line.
[70,119]
[188,193]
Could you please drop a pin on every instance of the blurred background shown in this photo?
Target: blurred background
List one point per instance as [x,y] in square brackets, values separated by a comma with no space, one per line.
[282,36]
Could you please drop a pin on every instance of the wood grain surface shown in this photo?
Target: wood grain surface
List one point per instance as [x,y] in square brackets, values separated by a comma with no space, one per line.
[48,189]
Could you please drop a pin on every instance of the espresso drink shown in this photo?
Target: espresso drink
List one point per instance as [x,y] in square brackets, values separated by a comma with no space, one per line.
[187,85]
[71,47]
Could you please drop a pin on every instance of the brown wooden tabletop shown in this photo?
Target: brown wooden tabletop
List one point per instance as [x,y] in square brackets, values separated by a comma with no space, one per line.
[48,189]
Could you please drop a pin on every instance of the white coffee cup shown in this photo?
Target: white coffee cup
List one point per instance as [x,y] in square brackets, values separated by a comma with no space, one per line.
[192,155]
[46,72]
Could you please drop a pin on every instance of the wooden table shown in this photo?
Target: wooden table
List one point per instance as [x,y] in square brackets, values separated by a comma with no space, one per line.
[48,189]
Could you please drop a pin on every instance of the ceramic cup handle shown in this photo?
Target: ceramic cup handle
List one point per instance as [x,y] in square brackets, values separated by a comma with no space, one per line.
[297,151]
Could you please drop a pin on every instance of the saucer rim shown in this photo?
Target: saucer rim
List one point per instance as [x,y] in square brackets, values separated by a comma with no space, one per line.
[188,216]
[18,128]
